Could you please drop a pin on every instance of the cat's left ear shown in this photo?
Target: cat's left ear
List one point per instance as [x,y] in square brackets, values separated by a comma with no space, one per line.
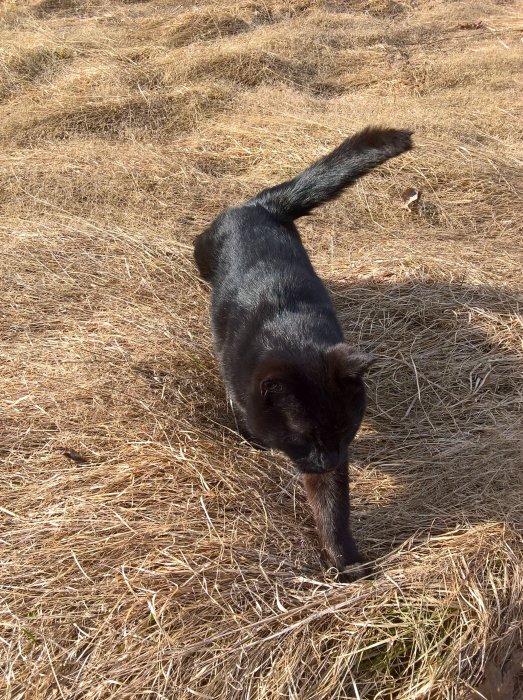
[346,362]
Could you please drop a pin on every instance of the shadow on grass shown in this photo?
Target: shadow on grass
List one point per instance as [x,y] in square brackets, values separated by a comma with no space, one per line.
[441,445]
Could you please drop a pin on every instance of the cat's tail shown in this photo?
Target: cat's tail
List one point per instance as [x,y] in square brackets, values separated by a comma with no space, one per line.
[328,177]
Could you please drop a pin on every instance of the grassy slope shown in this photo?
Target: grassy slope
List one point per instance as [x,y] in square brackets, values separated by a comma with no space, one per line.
[176,562]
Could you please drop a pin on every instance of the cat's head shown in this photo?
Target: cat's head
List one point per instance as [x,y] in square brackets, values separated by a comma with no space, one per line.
[310,408]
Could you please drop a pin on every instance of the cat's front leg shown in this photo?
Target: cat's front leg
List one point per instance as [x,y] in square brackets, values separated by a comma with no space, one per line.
[328,494]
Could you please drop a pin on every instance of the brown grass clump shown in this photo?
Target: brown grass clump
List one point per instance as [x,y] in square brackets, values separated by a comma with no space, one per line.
[147,551]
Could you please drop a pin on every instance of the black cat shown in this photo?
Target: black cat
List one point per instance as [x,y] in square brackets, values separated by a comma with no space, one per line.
[296,386]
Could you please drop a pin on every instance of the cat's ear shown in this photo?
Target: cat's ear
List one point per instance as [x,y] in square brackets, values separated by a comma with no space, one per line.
[345,362]
[274,379]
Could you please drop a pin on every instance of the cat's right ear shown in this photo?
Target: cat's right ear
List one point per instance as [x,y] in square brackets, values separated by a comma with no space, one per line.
[346,363]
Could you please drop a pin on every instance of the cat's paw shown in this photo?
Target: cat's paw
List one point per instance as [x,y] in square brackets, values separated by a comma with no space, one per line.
[347,567]
[353,572]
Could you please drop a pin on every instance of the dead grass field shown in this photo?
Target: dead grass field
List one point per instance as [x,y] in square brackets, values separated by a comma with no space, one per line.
[147,552]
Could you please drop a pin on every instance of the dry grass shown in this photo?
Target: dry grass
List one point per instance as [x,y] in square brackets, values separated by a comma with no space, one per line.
[147,552]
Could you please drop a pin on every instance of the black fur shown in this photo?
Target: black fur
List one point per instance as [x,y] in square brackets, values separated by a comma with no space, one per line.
[296,386]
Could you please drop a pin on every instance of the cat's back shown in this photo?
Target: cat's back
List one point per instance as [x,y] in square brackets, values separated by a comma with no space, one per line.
[265,282]
[250,235]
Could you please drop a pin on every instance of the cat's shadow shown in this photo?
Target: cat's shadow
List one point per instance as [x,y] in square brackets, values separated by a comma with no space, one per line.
[441,444]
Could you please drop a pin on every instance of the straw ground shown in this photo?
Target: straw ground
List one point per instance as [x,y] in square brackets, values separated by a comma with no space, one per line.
[147,551]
